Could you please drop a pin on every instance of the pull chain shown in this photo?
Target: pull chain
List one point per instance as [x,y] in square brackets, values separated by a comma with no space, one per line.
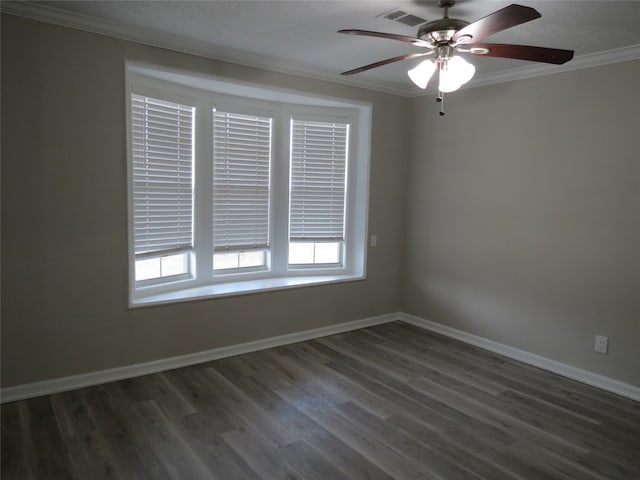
[440,100]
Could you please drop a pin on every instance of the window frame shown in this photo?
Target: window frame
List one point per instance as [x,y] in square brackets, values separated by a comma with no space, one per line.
[204,93]
[228,106]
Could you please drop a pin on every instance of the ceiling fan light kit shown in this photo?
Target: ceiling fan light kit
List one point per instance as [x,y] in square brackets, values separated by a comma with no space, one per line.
[454,71]
[447,36]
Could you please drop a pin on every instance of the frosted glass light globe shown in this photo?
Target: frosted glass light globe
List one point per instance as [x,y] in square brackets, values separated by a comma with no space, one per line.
[463,70]
[455,73]
[422,73]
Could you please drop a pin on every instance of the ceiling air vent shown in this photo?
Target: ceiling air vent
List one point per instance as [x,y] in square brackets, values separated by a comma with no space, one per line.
[404,17]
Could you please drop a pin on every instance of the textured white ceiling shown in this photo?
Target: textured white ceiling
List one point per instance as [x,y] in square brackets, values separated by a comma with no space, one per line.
[300,36]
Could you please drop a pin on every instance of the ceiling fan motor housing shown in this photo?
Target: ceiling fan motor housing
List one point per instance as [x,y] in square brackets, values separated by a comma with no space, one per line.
[440,31]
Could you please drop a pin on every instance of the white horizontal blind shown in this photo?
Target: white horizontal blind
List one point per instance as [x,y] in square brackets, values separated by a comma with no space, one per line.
[162,148]
[241,168]
[318,180]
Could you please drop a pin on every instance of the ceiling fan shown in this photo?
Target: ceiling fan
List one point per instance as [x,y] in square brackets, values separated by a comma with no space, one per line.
[447,36]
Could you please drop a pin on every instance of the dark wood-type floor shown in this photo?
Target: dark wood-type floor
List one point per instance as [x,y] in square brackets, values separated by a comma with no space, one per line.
[387,402]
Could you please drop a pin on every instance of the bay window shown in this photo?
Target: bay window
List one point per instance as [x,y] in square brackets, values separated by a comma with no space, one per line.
[238,188]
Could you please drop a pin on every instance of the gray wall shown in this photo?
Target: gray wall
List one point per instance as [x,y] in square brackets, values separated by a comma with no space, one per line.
[64,241]
[524,223]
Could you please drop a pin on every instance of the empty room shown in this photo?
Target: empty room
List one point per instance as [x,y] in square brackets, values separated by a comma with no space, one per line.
[320,240]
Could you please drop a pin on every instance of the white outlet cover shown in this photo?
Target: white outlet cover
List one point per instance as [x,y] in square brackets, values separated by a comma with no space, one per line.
[601,344]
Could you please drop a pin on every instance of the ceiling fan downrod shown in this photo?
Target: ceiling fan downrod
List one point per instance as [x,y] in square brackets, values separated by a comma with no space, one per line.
[447,4]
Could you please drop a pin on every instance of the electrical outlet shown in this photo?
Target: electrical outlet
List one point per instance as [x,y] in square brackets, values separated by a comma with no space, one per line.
[602,344]
[374,241]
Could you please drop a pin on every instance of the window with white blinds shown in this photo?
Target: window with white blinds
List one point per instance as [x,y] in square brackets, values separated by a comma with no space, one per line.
[241,179]
[241,188]
[162,157]
[318,181]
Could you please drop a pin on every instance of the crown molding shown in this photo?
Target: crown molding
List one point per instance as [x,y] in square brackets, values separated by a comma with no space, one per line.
[48,14]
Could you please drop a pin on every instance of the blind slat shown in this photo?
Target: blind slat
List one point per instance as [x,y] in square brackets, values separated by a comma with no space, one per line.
[162,147]
[318,180]
[241,170]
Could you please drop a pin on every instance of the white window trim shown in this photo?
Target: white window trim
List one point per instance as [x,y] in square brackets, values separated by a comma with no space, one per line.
[193,89]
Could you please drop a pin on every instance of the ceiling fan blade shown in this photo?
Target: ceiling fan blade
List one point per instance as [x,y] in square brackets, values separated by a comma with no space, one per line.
[385,62]
[523,52]
[497,21]
[391,36]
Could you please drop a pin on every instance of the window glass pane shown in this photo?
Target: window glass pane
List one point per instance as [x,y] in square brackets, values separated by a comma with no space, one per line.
[251,259]
[300,253]
[222,261]
[173,265]
[159,267]
[235,260]
[147,269]
[314,253]
[327,252]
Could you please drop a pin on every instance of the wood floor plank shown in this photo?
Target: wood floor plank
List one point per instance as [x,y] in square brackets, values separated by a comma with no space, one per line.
[88,452]
[440,397]
[609,469]
[46,449]
[439,465]
[462,371]
[512,376]
[417,403]
[589,435]
[524,384]
[397,466]
[468,400]
[337,385]
[233,399]
[72,413]
[388,402]
[310,464]
[543,380]
[449,448]
[191,385]
[152,428]
[202,431]
[319,438]
[15,463]
[156,387]
[134,459]
[544,457]
[91,457]
[261,456]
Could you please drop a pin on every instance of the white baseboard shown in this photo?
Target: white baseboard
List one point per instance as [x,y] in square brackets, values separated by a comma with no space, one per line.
[57,385]
[47,387]
[584,376]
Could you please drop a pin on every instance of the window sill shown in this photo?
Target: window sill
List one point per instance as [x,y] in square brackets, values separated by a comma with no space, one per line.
[238,288]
